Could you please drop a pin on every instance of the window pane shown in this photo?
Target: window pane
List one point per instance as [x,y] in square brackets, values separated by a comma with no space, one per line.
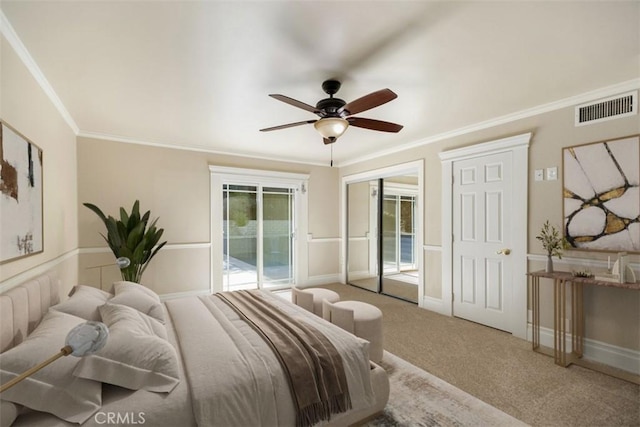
[277,229]
[277,190]
[238,188]
[240,246]
[257,255]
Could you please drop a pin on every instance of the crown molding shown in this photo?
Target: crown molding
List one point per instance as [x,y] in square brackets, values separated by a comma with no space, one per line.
[512,117]
[12,37]
[194,148]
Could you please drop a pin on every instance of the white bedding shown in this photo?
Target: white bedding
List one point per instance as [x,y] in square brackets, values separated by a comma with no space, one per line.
[248,382]
[228,375]
[139,407]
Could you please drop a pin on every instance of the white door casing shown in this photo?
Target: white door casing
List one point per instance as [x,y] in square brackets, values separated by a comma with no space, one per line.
[518,147]
[482,284]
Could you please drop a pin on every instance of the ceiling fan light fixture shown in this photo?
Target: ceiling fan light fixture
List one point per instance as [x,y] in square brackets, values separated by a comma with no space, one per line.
[331,127]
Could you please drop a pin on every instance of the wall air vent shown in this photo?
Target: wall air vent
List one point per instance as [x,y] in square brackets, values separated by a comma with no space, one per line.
[614,107]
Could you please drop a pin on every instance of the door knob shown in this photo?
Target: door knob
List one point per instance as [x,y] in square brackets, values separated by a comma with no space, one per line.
[505,251]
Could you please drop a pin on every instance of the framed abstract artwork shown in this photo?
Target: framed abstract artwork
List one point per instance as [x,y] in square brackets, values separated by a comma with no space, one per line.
[601,186]
[21,226]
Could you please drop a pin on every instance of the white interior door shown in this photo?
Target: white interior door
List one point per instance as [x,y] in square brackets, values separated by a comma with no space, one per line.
[482,234]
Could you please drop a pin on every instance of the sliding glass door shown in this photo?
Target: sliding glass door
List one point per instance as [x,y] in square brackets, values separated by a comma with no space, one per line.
[277,236]
[258,233]
[240,236]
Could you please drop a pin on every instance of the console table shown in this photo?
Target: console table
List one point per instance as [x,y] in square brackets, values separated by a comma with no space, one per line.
[560,281]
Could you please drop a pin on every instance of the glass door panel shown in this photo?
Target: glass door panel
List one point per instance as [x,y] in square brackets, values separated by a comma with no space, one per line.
[258,237]
[240,237]
[277,229]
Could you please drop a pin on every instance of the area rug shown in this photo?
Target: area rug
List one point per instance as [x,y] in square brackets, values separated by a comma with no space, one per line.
[420,399]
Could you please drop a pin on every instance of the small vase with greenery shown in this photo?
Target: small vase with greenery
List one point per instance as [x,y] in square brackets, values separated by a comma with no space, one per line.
[552,242]
[129,237]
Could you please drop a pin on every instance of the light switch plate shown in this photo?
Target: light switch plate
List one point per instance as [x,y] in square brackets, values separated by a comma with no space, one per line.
[539,175]
[552,173]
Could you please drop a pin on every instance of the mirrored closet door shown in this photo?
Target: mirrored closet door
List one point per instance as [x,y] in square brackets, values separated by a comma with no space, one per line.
[399,275]
[362,232]
[382,246]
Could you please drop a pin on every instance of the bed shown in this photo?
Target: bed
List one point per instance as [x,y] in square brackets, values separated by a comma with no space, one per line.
[188,361]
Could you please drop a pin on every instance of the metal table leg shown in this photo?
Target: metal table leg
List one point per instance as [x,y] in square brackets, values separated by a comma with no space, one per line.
[559,327]
[535,308]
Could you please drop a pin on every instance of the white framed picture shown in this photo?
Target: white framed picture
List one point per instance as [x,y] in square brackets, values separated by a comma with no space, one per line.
[21,220]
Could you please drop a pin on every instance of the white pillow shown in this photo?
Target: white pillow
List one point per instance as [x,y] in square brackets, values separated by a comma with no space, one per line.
[137,354]
[139,297]
[53,389]
[84,302]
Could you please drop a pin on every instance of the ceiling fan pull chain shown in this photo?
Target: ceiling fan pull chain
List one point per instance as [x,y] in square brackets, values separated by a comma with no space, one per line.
[331,155]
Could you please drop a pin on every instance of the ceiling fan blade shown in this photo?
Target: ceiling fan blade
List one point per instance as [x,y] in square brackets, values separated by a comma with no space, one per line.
[374,124]
[289,125]
[295,103]
[370,101]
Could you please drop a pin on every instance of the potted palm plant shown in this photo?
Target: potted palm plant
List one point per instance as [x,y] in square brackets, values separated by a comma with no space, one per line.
[130,238]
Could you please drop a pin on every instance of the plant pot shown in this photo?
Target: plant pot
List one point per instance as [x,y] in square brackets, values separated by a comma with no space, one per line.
[549,266]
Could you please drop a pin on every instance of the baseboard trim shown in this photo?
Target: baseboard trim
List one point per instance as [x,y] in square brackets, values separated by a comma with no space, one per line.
[325,279]
[618,357]
[596,351]
[435,304]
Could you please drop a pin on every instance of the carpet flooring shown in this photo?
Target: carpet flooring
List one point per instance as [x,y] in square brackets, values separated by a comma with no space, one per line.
[419,399]
[500,369]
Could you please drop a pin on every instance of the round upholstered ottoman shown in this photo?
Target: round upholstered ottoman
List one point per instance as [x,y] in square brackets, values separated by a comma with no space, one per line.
[311,298]
[361,319]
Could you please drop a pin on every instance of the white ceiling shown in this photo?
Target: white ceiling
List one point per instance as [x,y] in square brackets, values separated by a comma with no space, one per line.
[197,74]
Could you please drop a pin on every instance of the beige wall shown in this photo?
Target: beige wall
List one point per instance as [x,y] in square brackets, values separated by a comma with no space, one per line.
[25,107]
[607,309]
[174,186]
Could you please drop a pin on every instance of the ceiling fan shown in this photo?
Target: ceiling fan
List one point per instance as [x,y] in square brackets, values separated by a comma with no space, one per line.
[336,115]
